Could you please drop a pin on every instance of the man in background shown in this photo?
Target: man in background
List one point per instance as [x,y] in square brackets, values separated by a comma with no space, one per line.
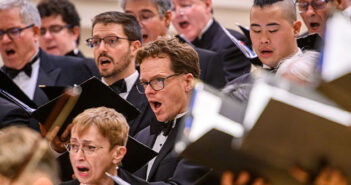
[60,30]
[154,16]
[194,20]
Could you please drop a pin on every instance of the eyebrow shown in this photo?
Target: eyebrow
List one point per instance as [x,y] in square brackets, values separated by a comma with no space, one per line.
[256,25]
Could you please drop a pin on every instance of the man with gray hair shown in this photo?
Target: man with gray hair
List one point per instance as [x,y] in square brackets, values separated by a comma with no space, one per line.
[154,17]
[24,62]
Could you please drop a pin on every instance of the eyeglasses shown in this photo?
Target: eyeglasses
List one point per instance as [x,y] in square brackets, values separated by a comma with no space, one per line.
[54,29]
[316,5]
[110,40]
[156,84]
[87,149]
[13,33]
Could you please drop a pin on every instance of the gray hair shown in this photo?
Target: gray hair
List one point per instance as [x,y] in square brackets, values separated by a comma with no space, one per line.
[28,12]
[162,6]
[302,66]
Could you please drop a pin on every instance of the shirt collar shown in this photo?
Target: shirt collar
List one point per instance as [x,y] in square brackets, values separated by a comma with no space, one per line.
[209,23]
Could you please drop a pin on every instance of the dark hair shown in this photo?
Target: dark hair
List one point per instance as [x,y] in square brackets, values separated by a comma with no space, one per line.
[129,23]
[60,7]
[288,6]
[184,58]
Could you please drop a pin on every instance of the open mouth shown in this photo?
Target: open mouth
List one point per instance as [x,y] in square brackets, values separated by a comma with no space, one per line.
[266,53]
[10,52]
[83,170]
[51,47]
[103,60]
[145,36]
[156,105]
[184,24]
[314,25]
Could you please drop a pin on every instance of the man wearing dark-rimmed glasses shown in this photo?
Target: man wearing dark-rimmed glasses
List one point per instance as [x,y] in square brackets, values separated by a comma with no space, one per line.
[167,73]
[315,12]
[24,62]
[60,30]
[115,39]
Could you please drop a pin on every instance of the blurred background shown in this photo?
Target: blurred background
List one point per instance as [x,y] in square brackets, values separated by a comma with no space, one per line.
[227,12]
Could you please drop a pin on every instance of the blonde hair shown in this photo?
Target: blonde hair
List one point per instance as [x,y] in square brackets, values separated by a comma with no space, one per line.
[24,152]
[111,124]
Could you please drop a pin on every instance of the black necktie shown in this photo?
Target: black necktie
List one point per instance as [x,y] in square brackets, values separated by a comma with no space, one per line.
[157,127]
[120,86]
[12,73]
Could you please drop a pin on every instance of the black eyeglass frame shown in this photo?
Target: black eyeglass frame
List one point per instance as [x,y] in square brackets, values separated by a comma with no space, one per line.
[141,86]
[90,43]
[52,30]
[15,32]
[307,4]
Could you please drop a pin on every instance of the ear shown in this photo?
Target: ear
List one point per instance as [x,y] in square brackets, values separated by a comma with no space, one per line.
[297,28]
[208,4]
[76,32]
[36,32]
[189,82]
[118,153]
[167,18]
[134,46]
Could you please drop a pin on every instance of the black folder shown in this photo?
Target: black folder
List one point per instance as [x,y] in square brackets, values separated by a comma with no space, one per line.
[94,94]
[9,86]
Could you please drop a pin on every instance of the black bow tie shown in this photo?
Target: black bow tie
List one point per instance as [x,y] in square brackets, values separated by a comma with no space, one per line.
[120,86]
[157,127]
[12,73]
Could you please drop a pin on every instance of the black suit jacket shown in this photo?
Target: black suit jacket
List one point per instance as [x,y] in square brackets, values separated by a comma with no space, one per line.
[146,115]
[11,114]
[167,167]
[211,68]
[89,61]
[59,71]
[234,61]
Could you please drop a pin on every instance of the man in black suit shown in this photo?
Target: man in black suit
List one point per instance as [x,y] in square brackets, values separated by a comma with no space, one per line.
[194,20]
[11,114]
[154,18]
[167,73]
[24,62]
[60,30]
[116,37]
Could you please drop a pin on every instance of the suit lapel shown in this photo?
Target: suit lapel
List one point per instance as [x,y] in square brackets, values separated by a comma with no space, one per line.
[166,149]
[48,75]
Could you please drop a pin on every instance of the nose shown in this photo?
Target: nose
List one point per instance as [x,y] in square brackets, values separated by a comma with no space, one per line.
[264,39]
[149,89]
[47,35]
[79,156]
[6,38]
[102,46]
[310,11]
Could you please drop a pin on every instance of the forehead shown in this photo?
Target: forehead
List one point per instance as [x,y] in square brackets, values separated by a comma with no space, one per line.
[266,15]
[52,19]
[186,1]
[90,133]
[151,67]
[102,29]
[10,18]
[137,6]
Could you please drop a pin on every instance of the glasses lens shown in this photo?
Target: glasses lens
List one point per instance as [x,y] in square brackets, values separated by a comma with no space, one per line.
[56,28]
[318,4]
[14,32]
[111,41]
[140,88]
[42,31]
[157,84]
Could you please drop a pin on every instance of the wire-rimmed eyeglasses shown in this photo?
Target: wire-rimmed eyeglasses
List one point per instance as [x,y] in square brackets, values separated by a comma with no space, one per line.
[156,84]
[316,5]
[13,33]
[110,40]
[87,149]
